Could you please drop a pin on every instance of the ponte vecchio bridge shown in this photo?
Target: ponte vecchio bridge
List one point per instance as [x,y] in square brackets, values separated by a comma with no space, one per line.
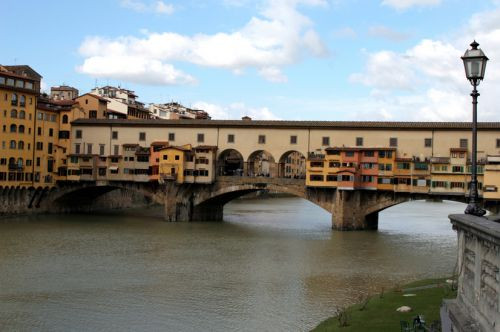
[351,169]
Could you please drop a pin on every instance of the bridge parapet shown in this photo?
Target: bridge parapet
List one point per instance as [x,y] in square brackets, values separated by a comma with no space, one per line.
[477,306]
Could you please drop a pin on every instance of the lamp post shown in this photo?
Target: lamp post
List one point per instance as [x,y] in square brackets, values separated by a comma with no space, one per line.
[475,66]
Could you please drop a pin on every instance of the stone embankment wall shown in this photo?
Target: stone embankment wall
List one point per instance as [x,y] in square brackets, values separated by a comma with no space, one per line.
[477,306]
[23,201]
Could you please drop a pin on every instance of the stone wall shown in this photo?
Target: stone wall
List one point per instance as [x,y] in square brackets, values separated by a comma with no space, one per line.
[476,307]
[23,201]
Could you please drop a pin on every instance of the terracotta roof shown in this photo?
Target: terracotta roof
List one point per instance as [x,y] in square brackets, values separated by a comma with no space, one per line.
[63,102]
[160,143]
[10,74]
[180,148]
[347,125]
[25,70]
[94,96]
[206,147]
[62,88]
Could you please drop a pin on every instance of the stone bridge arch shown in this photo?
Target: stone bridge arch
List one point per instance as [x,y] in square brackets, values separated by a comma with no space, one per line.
[200,203]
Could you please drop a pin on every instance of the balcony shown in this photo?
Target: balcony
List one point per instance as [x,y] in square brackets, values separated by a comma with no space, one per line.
[168,177]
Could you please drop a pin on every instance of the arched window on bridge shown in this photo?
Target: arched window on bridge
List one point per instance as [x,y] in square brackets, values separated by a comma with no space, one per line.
[261,163]
[292,165]
[230,163]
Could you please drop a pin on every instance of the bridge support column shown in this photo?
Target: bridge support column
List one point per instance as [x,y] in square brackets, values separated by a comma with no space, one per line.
[348,212]
[208,212]
[177,207]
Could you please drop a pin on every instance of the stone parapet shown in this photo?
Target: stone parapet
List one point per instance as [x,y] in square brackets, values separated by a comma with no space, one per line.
[476,307]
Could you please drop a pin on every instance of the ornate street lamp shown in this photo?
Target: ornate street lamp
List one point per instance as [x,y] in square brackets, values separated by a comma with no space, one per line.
[475,66]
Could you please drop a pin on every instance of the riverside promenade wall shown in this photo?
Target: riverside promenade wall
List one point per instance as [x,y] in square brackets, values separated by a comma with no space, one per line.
[477,305]
[31,201]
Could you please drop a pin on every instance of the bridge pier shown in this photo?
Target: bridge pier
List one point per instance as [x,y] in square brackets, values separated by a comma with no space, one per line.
[349,212]
[208,212]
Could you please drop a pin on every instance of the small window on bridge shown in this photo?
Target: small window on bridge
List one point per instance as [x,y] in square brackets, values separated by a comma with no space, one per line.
[316,177]
[201,138]
[171,137]
[428,142]
[78,133]
[393,141]
[262,139]
[359,141]
[325,141]
[114,135]
[293,139]
[230,138]
[142,136]
[463,143]
[498,142]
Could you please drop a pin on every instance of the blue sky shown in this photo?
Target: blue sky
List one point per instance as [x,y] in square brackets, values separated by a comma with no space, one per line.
[270,59]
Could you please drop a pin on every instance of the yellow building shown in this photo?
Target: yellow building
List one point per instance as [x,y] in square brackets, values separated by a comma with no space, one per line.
[46,142]
[19,88]
[492,178]
[69,110]
[93,106]
[172,160]
[316,170]
[386,161]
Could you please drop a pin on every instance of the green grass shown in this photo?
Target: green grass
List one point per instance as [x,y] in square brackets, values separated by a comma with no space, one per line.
[380,313]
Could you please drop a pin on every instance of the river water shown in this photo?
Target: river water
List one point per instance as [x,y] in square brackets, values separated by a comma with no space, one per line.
[273,265]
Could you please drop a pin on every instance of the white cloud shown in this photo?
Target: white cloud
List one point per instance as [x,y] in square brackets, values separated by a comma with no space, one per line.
[381,31]
[158,7]
[405,4]
[235,111]
[427,81]
[136,69]
[163,8]
[279,37]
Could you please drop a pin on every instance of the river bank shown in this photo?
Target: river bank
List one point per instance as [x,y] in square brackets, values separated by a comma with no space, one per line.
[378,312]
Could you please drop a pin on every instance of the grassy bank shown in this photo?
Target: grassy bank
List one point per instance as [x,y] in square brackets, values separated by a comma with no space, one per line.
[378,313]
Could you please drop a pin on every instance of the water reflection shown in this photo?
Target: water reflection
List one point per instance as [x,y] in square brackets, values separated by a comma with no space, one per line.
[273,265]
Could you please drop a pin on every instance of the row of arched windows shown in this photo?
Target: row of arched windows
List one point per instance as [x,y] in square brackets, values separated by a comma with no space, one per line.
[16,145]
[15,129]
[14,99]
[15,115]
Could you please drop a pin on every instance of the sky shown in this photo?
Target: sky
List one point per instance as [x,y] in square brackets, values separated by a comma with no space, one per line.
[390,60]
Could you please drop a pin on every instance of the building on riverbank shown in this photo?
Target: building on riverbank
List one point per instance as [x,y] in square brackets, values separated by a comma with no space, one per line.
[19,89]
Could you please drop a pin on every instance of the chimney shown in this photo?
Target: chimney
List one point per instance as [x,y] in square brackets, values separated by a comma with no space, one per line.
[246,118]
